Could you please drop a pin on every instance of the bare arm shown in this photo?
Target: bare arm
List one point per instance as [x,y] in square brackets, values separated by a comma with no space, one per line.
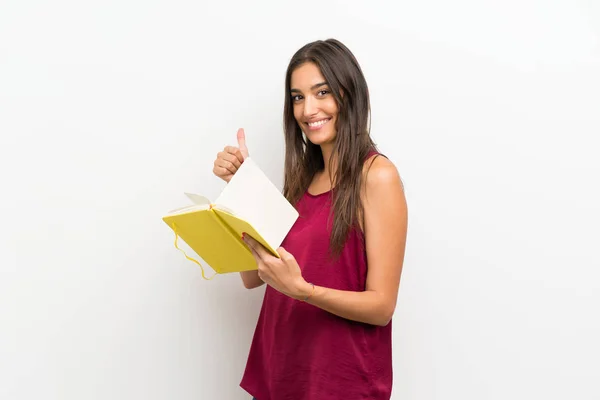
[251,279]
[385,221]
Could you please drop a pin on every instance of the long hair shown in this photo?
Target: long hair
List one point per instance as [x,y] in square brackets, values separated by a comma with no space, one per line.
[352,144]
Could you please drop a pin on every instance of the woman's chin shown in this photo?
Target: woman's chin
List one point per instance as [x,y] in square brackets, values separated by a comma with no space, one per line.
[320,138]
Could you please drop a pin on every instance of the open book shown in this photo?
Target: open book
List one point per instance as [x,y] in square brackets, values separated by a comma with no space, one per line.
[249,203]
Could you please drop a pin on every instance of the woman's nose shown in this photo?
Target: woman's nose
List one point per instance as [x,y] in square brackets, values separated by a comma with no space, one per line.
[310,107]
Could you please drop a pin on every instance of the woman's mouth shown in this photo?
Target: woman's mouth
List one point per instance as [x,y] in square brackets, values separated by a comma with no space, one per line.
[316,125]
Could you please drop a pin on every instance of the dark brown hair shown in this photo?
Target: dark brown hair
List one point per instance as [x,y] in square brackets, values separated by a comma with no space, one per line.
[352,145]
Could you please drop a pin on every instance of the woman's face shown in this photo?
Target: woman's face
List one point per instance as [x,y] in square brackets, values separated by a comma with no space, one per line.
[315,108]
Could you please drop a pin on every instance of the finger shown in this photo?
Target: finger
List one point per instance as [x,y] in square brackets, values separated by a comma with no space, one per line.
[232,158]
[241,138]
[263,273]
[255,246]
[222,172]
[255,255]
[228,165]
[285,255]
[252,245]
[235,152]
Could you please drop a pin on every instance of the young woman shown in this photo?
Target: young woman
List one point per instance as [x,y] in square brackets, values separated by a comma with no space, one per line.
[324,330]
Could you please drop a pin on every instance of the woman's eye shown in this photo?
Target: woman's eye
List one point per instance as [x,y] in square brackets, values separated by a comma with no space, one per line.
[323,92]
[296,97]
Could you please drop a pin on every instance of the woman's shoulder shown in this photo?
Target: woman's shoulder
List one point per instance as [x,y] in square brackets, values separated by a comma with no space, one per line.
[380,172]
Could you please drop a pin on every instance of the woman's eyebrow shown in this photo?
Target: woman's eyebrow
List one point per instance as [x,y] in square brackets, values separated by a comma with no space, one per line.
[313,87]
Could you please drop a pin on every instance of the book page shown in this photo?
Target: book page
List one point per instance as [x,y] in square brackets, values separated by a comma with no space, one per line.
[253,197]
[198,203]
[187,209]
[197,199]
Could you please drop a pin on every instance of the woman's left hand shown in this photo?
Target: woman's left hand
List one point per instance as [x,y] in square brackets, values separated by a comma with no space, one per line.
[283,274]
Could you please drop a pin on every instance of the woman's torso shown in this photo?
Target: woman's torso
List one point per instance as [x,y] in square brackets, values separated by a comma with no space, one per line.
[300,351]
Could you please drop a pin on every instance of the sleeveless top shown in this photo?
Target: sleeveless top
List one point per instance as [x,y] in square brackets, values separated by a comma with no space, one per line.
[301,352]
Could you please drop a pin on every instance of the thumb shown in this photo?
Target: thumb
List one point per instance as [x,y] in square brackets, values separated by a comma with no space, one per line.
[241,138]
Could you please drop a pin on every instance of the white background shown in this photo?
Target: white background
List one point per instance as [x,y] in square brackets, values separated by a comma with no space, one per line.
[110,110]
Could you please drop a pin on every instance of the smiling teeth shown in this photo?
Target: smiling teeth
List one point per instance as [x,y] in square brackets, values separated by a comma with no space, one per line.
[318,123]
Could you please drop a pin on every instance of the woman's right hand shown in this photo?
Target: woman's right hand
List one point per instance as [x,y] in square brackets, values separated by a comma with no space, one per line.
[231,158]
[226,165]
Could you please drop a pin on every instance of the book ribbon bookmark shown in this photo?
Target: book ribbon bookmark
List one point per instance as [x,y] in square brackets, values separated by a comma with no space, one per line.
[188,257]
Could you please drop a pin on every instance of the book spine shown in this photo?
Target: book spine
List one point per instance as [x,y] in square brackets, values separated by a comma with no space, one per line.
[226,226]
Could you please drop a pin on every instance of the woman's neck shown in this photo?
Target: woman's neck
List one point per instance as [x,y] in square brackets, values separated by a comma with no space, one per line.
[327,152]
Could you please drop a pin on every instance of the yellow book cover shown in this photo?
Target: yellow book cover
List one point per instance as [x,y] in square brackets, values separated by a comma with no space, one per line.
[249,203]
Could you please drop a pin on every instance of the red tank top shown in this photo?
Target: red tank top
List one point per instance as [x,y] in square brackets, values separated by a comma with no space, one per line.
[301,352]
